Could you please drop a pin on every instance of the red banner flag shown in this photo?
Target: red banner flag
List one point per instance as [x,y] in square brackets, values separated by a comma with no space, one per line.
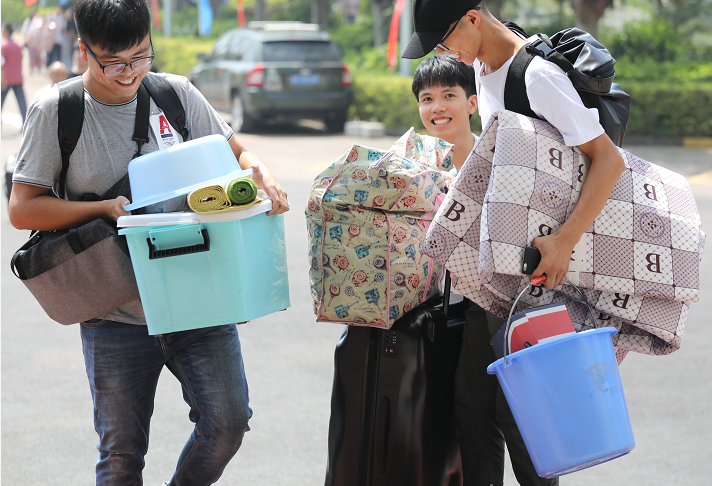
[393,34]
[156,14]
[240,13]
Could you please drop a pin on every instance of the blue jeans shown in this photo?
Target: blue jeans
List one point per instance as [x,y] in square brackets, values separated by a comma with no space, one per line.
[123,363]
[20,95]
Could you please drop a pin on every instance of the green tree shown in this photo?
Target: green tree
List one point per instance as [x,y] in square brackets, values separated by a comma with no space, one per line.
[679,12]
[589,12]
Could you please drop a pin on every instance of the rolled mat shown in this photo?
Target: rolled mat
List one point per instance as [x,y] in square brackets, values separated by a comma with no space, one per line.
[211,199]
[241,191]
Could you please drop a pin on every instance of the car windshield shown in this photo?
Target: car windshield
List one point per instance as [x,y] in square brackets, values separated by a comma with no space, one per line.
[300,51]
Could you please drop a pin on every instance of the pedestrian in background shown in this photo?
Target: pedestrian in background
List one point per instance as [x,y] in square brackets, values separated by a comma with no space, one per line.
[29,30]
[55,25]
[12,70]
[57,72]
[79,65]
[70,38]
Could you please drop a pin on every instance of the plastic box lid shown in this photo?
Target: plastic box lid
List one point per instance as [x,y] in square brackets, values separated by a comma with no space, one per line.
[189,217]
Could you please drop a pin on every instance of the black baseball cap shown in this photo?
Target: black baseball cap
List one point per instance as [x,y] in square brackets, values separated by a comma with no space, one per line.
[432,18]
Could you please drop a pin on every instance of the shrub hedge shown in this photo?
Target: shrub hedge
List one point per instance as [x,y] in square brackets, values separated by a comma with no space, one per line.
[389,100]
[662,109]
[670,110]
[178,54]
[658,109]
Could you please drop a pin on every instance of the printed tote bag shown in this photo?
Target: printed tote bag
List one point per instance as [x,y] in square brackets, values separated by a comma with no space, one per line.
[367,215]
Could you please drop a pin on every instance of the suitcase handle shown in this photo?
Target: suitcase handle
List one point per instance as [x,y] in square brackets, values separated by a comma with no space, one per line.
[446,296]
[154,254]
[382,425]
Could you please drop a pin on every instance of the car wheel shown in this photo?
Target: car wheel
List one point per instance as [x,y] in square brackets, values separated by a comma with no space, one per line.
[336,124]
[241,121]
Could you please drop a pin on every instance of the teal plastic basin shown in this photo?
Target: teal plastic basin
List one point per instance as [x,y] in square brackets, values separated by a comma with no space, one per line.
[195,271]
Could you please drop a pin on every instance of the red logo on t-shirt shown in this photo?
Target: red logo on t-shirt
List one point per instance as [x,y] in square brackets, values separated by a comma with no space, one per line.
[165,127]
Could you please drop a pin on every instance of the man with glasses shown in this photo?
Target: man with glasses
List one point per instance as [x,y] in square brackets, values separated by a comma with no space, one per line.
[466,30]
[122,361]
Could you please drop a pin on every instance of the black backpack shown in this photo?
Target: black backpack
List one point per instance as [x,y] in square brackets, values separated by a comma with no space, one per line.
[71,121]
[588,65]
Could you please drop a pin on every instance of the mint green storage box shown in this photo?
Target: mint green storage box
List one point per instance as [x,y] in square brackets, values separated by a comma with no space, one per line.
[200,270]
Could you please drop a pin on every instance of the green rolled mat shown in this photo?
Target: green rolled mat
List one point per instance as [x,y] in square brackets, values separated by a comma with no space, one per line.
[241,191]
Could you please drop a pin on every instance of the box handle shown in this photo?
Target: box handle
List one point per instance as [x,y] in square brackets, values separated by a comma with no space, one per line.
[153,253]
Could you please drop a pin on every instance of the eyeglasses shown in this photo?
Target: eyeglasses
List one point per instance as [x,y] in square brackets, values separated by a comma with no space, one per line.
[440,44]
[117,68]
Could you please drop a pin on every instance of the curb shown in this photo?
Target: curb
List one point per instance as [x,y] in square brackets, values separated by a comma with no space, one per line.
[697,142]
[704,179]
[691,142]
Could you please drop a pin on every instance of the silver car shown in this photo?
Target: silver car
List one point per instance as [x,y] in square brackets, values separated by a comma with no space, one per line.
[275,71]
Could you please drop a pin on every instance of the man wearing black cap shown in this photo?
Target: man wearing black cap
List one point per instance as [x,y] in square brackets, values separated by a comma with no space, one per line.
[467,30]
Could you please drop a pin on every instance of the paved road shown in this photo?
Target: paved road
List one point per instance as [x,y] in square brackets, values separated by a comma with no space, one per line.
[47,430]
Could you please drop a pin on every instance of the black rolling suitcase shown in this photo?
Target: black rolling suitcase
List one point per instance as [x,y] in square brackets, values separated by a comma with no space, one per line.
[392,415]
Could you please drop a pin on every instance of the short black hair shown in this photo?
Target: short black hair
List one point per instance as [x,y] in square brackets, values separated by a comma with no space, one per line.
[8,28]
[444,70]
[114,25]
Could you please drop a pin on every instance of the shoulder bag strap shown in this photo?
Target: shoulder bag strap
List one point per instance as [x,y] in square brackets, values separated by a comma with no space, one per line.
[70,113]
[35,236]
[167,100]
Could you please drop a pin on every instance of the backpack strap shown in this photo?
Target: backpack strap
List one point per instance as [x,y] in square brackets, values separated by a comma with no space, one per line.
[511,25]
[71,118]
[167,100]
[143,112]
[515,90]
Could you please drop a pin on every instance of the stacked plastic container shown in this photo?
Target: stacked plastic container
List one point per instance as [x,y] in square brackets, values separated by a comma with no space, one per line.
[200,270]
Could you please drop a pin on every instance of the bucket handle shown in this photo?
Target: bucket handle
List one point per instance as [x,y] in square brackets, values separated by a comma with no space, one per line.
[537,281]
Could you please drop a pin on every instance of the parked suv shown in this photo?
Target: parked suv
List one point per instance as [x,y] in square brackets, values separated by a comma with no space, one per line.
[275,71]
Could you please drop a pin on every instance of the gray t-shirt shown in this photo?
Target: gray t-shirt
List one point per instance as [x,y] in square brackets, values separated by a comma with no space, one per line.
[104,151]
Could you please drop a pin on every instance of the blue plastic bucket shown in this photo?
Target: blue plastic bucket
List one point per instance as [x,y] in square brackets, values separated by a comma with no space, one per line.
[567,399]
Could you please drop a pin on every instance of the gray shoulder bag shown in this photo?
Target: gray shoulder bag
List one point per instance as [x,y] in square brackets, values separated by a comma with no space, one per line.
[85,272]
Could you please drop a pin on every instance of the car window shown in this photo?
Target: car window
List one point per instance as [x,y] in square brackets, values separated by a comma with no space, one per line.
[236,48]
[249,48]
[221,46]
[300,51]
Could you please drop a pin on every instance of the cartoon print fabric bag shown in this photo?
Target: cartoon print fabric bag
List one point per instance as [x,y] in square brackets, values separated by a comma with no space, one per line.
[367,214]
[638,263]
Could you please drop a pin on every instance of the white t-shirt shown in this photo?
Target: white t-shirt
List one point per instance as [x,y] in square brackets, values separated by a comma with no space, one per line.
[551,96]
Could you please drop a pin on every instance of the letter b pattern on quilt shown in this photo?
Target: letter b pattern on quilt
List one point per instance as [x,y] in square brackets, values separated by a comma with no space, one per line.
[637,264]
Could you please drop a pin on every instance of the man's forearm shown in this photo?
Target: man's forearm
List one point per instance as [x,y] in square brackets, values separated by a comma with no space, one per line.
[606,168]
[29,210]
